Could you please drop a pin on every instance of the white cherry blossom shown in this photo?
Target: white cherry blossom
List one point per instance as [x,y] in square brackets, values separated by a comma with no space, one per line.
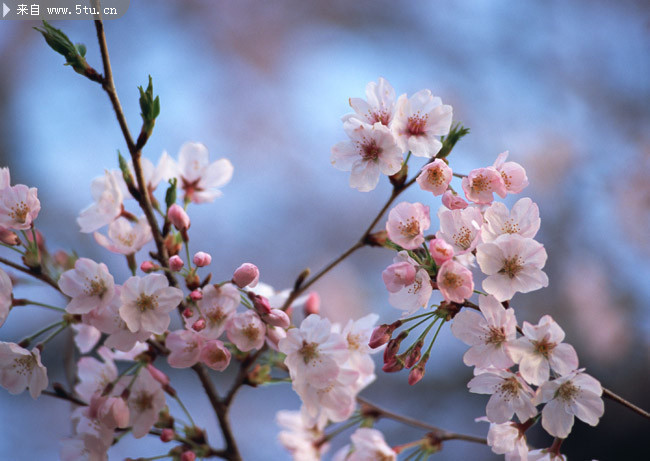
[302,436]
[21,369]
[89,284]
[510,395]
[125,238]
[184,348]
[246,331]
[513,174]
[19,207]
[145,401]
[461,228]
[217,306]
[416,295]
[108,196]
[146,303]
[379,106]
[367,445]
[522,219]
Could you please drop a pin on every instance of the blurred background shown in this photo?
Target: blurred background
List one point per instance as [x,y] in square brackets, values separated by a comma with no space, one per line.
[564,86]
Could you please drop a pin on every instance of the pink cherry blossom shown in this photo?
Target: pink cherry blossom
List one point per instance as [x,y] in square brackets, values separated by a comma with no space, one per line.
[199,178]
[379,107]
[369,445]
[94,375]
[184,348]
[312,305]
[8,237]
[301,435]
[246,331]
[334,400]
[419,121]
[513,264]
[406,224]
[314,352]
[489,335]
[89,284]
[523,220]
[398,275]
[506,439]
[370,151]
[96,437]
[513,174]
[440,250]
[124,238]
[510,395]
[5,296]
[85,337]
[216,306]
[453,201]
[455,281]
[415,296]
[460,228]
[435,177]
[357,334]
[21,369]
[481,183]
[215,355]
[145,401]
[147,301]
[153,175]
[19,207]
[274,335]
[544,454]
[541,349]
[82,447]
[246,275]
[576,394]
[108,197]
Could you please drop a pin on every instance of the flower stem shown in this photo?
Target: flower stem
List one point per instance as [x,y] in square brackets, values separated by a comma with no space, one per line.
[187,413]
[36,303]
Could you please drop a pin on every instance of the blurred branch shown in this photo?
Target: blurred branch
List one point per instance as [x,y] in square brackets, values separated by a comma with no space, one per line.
[39,275]
[617,398]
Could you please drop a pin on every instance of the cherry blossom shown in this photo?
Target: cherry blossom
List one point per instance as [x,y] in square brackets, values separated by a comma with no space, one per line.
[5,296]
[145,401]
[370,151]
[178,217]
[544,454]
[82,447]
[202,259]
[455,281]
[184,348]
[147,301]
[513,174]
[510,395]
[357,334]
[489,335]
[406,224]
[94,375]
[246,275]
[368,445]
[21,369]
[19,207]
[398,275]
[246,331]
[108,197]
[301,435]
[333,400]
[435,177]
[481,183]
[522,219]
[124,238]
[199,178]
[576,394]
[89,284]
[85,337]
[153,175]
[513,264]
[419,121]
[507,439]
[314,352]
[440,250]
[541,349]
[96,437]
[379,107]
[415,296]
[215,355]
[217,305]
[5,178]
[460,228]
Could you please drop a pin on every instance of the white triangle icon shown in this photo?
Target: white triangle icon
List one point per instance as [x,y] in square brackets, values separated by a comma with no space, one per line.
[5,10]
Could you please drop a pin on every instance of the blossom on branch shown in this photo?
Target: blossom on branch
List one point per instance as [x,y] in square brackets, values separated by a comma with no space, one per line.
[510,395]
[406,224]
[19,207]
[379,107]
[89,284]
[108,197]
[21,369]
[125,238]
[522,219]
[146,303]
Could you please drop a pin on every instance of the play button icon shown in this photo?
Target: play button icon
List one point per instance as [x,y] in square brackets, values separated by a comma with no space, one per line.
[5,10]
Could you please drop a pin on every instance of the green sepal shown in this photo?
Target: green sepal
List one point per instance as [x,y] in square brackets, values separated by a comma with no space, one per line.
[170,195]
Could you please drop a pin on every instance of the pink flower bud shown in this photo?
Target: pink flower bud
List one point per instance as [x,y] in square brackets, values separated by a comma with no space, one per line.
[198,325]
[246,275]
[158,375]
[176,263]
[398,275]
[277,318]
[167,434]
[260,303]
[202,259]
[8,237]
[187,313]
[453,201]
[274,335]
[196,295]
[414,355]
[215,355]
[147,266]
[440,251]
[120,413]
[393,366]
[312,305]
[393,347]
[416,375]
[188,456]
[178,217]
[381,334]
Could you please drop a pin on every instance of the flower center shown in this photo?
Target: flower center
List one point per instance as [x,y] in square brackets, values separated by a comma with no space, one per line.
[370,151]
[511,267]
[480,183]
[463,238]
[19,212]
[417,123]
[217,355]
[567,391]
[452,280]
[410,228]
[146,302]
[354,342]
[309,351]
[251,332]
[143,401]
[96,287]
[127,239]
[544,347]
[24,365]
[496,336]
[510,227]
[509,388]
[382,116]
[435,177]
[216,316]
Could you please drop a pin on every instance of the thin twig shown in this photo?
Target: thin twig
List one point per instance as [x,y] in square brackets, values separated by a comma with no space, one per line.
[39,275]
[617,398]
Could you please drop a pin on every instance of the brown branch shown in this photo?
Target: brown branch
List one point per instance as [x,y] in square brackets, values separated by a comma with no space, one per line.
[240,379]
[617,398]
[39,275]
[441,434]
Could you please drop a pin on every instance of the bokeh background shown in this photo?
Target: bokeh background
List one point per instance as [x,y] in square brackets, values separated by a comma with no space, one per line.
[564,86]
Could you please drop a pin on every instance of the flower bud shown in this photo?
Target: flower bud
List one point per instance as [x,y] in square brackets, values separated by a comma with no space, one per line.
[196,295]
[202,259]
[188,456]
[381,334]
[277,318]
[246,275]
[440,251]
[416,374]
[158,375]
[187,313]
[8,237]
[398,275]
[453,201]
[260,303]
[393,366]
[274,335]
[178,217]
[393,347]
[167,434]
[147,266]
[176,263]
[312,305]
[415,354]
[198,325]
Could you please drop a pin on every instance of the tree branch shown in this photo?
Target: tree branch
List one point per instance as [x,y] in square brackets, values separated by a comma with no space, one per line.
[617,398]
[39,275]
